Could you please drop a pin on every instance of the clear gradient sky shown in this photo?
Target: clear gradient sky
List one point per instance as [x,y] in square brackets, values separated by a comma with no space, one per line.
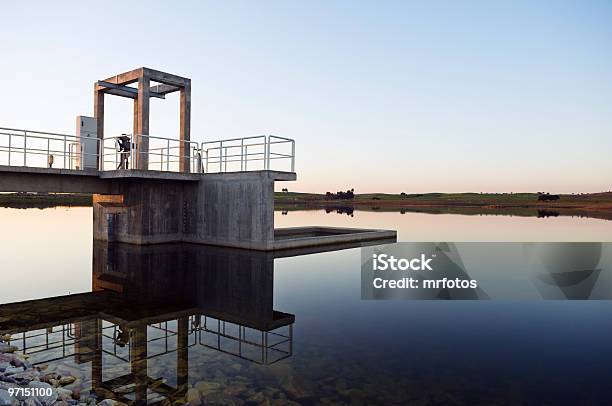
[381,96]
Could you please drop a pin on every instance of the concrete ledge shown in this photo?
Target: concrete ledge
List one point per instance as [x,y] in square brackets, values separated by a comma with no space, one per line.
[231,176]
[299,237]
[140,174]
[49,171]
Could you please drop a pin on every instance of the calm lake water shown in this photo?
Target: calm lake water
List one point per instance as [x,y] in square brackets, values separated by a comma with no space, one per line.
[339,350]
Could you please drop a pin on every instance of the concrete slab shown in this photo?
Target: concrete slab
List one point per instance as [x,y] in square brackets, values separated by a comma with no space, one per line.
[141,174]
[301,237]
[272,175]
[49,171]
[49,180]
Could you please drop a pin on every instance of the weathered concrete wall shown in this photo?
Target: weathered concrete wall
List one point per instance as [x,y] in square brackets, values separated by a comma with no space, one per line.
[236,209]
[230,209]
[146,212]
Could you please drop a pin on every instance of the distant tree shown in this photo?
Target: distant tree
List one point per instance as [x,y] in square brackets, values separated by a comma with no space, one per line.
[285,190]
[403,194]
[349,194]
[547,197]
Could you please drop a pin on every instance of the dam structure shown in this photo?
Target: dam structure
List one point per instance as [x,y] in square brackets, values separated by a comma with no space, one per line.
[149,189]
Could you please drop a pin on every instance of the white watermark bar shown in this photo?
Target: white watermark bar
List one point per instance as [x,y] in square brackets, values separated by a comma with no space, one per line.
[487,271]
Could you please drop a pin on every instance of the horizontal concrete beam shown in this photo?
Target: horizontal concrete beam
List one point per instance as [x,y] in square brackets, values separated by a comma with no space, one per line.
[124,91]
[148,174]
[166,78]
[45,180]
[233,176]
[164,89]
[126,78]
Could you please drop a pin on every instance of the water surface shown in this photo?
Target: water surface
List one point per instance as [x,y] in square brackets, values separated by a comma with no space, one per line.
[341,350]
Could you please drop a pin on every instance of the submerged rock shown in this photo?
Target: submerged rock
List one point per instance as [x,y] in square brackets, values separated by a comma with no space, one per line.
[7,348]
[6,399]
[111,402]
[66,380]
[193,397]
[206,388]
[219,399]
[257,398]
[43,400]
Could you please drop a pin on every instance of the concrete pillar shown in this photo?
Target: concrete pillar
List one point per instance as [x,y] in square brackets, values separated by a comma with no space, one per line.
[141,126]
[185,125]
[182,354]
[96,364]
[138,358]
[99,110]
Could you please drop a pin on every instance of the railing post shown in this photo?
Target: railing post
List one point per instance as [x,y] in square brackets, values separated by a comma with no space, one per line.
[133,152]
[292,156]
[242,154]
[25,147]
[9,151]
[266,152]
[221,156]
[48,141]
[65,152]
[168,156]
[225,166]
[100,155]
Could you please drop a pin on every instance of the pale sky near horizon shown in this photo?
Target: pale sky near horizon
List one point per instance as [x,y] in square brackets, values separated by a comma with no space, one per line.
[439,96]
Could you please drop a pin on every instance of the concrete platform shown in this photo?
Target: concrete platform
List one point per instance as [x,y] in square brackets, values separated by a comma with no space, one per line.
[140,174]
[246,175]
[302,237]
[51,180]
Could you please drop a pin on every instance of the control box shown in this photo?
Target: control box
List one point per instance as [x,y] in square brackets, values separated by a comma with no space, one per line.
[85,154]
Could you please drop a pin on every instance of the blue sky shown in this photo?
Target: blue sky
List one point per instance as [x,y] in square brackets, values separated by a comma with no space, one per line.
[380,96]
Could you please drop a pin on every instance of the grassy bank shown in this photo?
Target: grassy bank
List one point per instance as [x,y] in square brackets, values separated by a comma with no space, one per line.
[598,205]
[26,200]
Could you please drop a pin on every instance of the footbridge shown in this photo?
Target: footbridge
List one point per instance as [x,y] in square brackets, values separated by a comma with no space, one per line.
[149,189]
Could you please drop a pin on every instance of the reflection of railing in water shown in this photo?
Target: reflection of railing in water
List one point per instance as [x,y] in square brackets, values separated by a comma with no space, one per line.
[163,327]
[36,343]
[264,347]
[42,342]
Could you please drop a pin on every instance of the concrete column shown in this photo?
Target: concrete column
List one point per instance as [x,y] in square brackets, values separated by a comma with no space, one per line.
[135,131]
[99,110]
[182,354]
[141,126]
[96,364]
[138,347]
[185,126]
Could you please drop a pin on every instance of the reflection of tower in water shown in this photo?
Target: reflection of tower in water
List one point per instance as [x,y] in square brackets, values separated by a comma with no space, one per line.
[151,306]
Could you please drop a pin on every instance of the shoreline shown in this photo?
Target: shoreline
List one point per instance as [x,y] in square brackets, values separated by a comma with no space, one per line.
[596,205]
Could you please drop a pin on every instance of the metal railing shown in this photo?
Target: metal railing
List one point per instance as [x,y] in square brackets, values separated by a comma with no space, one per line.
[47,150]
[258,346]
[248,153]
[51,150]
[59,342]
[161,154]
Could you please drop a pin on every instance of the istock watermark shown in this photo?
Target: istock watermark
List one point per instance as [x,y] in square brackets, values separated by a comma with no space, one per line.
[484,271]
